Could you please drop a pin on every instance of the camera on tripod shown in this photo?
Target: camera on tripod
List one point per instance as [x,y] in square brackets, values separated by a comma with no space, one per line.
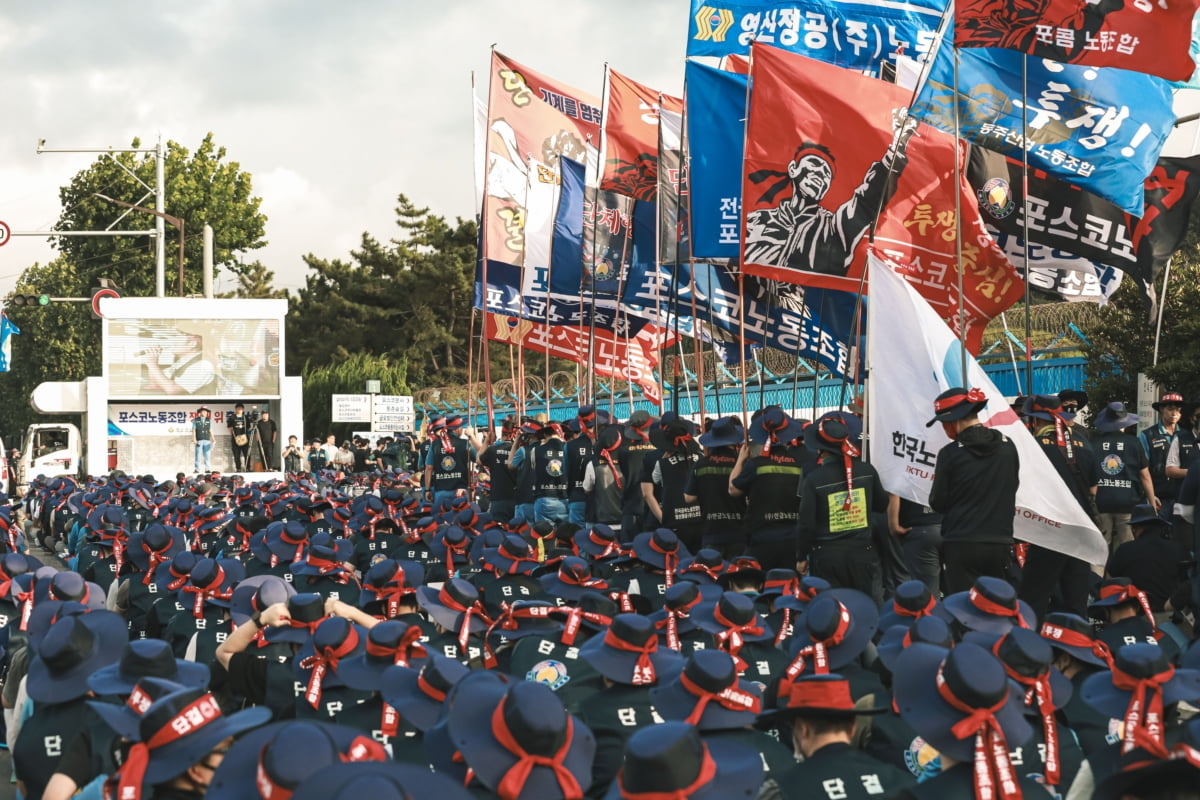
[252,415]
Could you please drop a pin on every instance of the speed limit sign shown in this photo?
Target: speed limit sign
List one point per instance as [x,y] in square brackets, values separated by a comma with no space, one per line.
[5,233]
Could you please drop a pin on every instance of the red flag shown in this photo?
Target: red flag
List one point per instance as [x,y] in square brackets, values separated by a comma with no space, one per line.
[1152,36]
[630,146]
[632,360]
[818,144]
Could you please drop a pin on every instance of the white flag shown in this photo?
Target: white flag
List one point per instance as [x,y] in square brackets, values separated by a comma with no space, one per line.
[914,357]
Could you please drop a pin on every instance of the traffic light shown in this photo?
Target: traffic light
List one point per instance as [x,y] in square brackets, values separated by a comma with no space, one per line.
[29,300]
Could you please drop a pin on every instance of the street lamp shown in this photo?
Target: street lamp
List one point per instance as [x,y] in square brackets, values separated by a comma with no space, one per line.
[176,221]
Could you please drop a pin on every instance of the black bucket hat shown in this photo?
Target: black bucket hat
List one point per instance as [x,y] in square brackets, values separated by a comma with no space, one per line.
[956,403]
[1114,417]
[519,740]
[175,732]
[671,760]
[1076,637]
[317,665]
[660,548]
[725,432]
[306,610]
[911,602]
[256,594]
[379,780]
[835,629]
[926,630]
[389,643]
[709,694]
[74,648]
[147,658]
[420,694]
[962,703]
[276,759]
[628,653]
[990,605]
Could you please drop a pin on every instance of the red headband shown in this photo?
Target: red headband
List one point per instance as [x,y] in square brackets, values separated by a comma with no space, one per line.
[819,649]
[821,694]
[322,660]
[643,671]
[194,716]
[731,697]
[1070,638]
[1144,723]
[972,395]
[996,609]
[1037,690]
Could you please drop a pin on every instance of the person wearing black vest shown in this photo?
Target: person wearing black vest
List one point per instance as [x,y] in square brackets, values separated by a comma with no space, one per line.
[448,469]
[672,471]
[548,463]
[709,486]
[1046,571]
[637,447]
[503,497]
[768,474]
[604,481]
[1182,453]
[1156,441]
[1124,473]
[837,500]
[579,452]
[518,463]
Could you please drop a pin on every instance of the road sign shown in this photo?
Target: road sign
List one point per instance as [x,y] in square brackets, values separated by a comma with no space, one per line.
[5,233]
[394,412]
[395,422]
[99,295]
[351,407]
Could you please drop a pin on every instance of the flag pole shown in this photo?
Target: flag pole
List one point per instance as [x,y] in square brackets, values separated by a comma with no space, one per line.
[958,229]
[1162,304]
[1025,218]
[483,245]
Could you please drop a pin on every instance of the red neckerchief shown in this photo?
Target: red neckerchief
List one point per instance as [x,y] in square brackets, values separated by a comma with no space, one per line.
[1038,694]
[509,619]
[512,783]
[127,783]
[323,660]
[706,775]
[732,639]
[575,617]
[670,561]
[155,559]
[214,592]
[671,620]
[640,430]
[643,670]
[818,651]
[330,569]
[731,698]
[452,550]
[610,547]
[468,613]
[299,544]
[1144,723]
[26,601]
[391,593]
[606,454]
[994,773]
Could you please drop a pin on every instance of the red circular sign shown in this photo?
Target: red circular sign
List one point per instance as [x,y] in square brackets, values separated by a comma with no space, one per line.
[5,233]
[98,296]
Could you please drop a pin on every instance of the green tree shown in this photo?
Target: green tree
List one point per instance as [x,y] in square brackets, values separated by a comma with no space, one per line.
[348,376]
[1122,343]
[201,187]
[254,280]
[61,342]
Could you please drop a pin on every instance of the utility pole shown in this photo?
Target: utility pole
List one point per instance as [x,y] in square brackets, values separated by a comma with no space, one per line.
[159,192]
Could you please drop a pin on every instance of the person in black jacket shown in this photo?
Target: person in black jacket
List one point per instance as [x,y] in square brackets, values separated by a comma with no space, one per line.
[1048,572]
[975,488]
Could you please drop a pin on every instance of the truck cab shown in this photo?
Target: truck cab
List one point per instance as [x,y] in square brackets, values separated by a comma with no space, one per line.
[49,449]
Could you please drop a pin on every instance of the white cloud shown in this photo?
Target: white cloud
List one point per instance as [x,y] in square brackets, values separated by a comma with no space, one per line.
[334,108]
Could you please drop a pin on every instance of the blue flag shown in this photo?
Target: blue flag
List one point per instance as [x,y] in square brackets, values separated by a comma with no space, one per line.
[856,35]
[7,331]
[716,129]
[566,253]
[821,330]
[1100,129]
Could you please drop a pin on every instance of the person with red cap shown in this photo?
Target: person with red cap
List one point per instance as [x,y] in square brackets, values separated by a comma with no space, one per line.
[975,489]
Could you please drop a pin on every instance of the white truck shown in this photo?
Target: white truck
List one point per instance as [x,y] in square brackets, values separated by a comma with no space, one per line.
[50,449]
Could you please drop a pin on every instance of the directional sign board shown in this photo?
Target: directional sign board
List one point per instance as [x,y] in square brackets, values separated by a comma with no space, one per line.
[394,412]
[351,407]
